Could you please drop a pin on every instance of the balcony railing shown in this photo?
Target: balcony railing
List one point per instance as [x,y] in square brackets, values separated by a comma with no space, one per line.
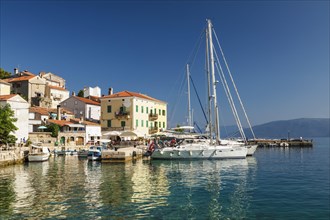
[119,115]
[153,130]
[153,117]
[116,128]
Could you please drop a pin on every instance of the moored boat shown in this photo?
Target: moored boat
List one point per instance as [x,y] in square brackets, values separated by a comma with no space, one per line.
[95,153]
[38,153]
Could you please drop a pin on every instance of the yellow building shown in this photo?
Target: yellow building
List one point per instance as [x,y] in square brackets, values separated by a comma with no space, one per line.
[133,112]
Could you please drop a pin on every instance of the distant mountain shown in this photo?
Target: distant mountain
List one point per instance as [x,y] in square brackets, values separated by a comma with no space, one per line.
[303,127]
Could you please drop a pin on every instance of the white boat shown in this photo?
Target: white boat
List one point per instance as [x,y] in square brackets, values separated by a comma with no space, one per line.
[212,148]
[95,152]
[38,153]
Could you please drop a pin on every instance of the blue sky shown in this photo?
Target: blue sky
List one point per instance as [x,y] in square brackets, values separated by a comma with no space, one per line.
[278,51]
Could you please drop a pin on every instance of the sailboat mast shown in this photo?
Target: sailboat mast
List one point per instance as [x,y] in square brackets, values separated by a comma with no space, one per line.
[214,91]
[189,105]
[207,61]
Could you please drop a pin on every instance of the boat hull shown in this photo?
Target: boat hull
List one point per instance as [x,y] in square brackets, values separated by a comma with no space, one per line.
[201,153]
[251,149]
[38,157]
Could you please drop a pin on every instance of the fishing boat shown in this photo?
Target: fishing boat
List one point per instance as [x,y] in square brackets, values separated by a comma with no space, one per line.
[38,153]
[212,148]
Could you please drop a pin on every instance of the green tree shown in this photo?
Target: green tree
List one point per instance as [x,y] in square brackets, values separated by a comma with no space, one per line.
[4,74]
[7,125]
[81,93]
[54,128]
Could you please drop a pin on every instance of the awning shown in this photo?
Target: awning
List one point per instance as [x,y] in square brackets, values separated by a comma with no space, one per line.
[112,133]
[76,126]
[131,134]
[104,140]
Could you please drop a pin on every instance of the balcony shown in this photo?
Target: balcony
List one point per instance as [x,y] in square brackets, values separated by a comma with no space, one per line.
[153,117]
[122,114]
[153,130]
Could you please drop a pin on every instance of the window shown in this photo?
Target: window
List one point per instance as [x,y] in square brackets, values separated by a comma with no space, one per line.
[109,123]
[159,124]
[123,124]
[164,112]
[155,111]
[136,123]
[147,110]
[141,109]
[159,112]
[163,124]
[147,123]
[137,108]
[109,108]
[141,123]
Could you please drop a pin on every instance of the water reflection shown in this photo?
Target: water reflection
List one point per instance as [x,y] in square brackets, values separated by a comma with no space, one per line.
[65,187]
[220,187]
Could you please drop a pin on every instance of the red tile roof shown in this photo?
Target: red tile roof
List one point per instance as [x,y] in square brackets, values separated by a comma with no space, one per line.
[4,82]
[6,97]
[87,101]
[40,110]
[18,79]
[59,122]
[27,73]
[46,111]
[130,94]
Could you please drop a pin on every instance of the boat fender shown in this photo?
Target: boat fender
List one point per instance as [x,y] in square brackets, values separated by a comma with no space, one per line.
[190,152]
[161,152]
[203,153]
[179,153]
[171,154]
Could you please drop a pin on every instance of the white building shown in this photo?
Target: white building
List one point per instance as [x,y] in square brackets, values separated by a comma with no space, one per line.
[56,95]
[21,112]
[4,87]
[82,107]
[89,91]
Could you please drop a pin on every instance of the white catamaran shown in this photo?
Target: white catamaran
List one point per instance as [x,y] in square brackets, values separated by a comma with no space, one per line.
[207,148]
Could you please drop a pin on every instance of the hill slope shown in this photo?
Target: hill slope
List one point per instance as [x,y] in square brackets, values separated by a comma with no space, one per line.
[303,127]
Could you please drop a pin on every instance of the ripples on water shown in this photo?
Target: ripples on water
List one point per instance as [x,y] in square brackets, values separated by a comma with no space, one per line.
[277,183]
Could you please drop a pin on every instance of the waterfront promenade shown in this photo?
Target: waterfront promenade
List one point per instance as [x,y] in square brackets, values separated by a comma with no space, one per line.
[12,155]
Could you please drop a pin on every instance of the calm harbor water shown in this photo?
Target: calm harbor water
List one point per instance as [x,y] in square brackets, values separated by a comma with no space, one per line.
[277,183]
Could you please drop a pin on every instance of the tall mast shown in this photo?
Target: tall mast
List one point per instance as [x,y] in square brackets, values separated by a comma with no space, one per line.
[189,106]
[214,91]
[207,61]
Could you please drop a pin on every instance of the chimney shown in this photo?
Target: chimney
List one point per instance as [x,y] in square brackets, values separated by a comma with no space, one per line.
[110,91]
[15,71]
[73,94]
[59,112]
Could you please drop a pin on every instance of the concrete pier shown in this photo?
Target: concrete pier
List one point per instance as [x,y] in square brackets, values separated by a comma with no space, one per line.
[121,154]
[12,156]
[282,143]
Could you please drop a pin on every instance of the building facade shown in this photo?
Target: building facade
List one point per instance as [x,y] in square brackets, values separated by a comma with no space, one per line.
[134,112]
[21,113]
[4,87]
[83,107]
